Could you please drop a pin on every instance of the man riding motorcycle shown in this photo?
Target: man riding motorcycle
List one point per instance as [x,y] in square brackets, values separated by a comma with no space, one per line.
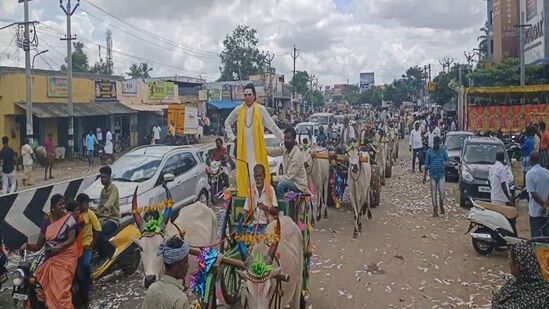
[219,156]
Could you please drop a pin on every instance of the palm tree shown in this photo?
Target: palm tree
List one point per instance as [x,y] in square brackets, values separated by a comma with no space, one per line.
[144,67]
[135,71]
[483,41]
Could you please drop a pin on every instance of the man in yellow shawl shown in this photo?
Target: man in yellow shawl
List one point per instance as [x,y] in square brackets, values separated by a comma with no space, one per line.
[252,119]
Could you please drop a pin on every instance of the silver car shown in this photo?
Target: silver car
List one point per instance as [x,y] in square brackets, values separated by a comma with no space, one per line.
[144,167]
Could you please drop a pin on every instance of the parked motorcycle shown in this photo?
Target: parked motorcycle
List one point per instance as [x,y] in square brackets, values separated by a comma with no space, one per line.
[218,178]
[494,226]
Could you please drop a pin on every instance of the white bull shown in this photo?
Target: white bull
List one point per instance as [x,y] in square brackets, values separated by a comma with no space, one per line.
[358,181]
[259,290]
[381,159]
[196,221]
[318,172]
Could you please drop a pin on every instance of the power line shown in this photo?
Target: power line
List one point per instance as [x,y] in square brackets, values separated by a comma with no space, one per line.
[196,52]
[9,45]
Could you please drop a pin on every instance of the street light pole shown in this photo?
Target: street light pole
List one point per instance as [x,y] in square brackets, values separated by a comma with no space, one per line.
[69,11]
[521,28]
[38,54]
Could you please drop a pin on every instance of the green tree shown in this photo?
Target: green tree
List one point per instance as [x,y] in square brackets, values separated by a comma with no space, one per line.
[483,42]
[351,94]
[506,73]
[145,69]
[318,98]
[79,59]
[240,57]
[100,68]
[300,82]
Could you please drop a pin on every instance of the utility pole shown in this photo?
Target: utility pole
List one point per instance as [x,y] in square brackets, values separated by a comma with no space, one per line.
[521,29]
[26,41]
[28,78]
[268,60]
[69,11]
[311,89]
[294,56]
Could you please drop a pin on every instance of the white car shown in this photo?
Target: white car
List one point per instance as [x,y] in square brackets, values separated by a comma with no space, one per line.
[144,167]
[328,121]
[306,129]
[275,163]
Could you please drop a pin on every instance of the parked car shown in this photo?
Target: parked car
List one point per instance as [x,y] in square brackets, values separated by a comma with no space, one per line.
[144,167]
[453,142]
[477,157]
[275,163]
[306,129]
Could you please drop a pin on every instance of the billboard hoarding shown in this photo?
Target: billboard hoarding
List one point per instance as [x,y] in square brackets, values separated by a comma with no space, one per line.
[161,90]
[57,87]
[129,87]
[105,90]
[534,40]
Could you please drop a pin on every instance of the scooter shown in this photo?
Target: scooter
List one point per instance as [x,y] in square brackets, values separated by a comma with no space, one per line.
[126,256]
[494,226]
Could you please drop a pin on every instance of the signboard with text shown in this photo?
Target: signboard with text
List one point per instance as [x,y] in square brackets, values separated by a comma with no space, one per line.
[534,41]
[161,90]
[129,87]
[105,90]
[57,87]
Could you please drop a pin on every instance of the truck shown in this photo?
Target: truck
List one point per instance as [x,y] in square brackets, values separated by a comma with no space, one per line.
[188,126]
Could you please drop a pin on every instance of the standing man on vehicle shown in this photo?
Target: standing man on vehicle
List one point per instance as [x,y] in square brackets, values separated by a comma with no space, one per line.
[348,133]
[499,178]
[108,212]
[434,164]
[251,121]
[169,291]
[295,175]
[8,158]
[27,156]
[416,145]
[537,185]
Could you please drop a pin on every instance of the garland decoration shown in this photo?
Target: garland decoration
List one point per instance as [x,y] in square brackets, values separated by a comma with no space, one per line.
[259,269]
[154,207]
[252,239]
[206,259]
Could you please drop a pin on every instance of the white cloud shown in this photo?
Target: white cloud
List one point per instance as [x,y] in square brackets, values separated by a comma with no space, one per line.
[384,36]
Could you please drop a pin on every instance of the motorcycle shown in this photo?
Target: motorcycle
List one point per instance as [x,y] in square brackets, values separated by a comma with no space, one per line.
[218,177]
[495,226]
[25,286]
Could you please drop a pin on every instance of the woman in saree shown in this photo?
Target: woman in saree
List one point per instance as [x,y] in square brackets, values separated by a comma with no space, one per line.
[55,275]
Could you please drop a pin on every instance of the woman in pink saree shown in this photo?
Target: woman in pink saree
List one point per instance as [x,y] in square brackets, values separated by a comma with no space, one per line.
[55,275]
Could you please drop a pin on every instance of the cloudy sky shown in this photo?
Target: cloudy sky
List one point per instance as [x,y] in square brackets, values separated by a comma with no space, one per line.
[336,39]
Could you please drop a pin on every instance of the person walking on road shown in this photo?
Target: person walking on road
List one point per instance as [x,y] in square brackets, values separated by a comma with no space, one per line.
[416,145]
[28,159]
[8,158]
[499,182]
[537,185]
[156,130]
[434,164]
[91,141]
[527,148]
[169,291]
[50,156]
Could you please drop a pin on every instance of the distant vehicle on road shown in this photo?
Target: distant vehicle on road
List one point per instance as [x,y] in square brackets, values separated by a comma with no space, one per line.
[453,142]
[477,157]
[144,167]
[327,120]
[306,129]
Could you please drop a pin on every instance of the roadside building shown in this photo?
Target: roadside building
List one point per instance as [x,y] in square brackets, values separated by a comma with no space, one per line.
[95,106]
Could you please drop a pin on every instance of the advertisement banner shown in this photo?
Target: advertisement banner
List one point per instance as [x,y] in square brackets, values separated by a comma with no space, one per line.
[129,87]
[161,90]
[203,95]
[57,87]
[508,118]
[534,42]
[105,90]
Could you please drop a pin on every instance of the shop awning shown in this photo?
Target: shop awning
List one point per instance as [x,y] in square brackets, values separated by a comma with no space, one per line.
[155,108]
[55,110]
[223,105]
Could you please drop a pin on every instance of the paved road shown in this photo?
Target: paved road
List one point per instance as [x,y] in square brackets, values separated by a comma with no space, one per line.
[404,258]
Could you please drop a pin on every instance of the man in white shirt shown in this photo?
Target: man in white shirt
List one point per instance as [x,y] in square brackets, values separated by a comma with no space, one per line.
[99,136]
[28,159]
[430,135]
[156,134]
[498,177]
[263,206]
[453,125]
[437,131]
[347,133]
[416,145]
[108,136]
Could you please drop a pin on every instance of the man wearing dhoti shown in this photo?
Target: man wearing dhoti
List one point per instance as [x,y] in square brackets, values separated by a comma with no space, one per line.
[251,121]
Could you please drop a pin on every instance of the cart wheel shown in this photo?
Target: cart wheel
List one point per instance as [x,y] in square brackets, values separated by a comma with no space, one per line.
[230,282]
